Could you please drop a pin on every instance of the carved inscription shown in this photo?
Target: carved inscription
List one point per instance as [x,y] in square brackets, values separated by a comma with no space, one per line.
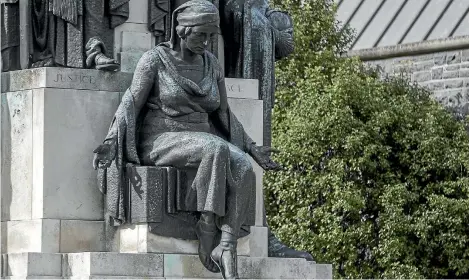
[75,78]
[233,87]
[242,88]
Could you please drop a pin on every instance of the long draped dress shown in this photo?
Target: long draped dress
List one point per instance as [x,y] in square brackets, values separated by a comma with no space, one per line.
[177,130]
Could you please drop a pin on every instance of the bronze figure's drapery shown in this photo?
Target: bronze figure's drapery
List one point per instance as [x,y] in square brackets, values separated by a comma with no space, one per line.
[62,29]
[159,19]
[255,36]
[10,32]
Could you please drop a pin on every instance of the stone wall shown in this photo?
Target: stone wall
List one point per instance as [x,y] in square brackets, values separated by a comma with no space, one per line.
[445,73]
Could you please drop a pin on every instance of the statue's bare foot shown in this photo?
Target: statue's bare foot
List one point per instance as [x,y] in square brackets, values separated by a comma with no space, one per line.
[209,237]
[225,257]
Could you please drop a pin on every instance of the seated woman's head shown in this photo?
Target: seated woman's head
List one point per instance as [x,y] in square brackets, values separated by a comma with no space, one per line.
[198,22]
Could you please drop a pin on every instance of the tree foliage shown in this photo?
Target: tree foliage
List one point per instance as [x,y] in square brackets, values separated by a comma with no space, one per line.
[375,177]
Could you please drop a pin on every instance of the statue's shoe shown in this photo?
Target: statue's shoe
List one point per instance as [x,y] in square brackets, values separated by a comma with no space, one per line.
[226,259]
[103,62]
[209,237]
[108,67]
[277,249]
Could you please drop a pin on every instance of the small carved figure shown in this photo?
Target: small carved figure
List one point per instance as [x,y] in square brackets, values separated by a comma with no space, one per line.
[178,99]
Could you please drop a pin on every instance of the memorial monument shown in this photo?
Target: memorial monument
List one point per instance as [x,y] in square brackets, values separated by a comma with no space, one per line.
[180,174]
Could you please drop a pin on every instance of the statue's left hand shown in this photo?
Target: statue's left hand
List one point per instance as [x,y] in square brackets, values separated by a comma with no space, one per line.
[261,154]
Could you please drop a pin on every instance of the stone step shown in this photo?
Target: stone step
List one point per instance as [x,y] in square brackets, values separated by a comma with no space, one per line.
[113,265]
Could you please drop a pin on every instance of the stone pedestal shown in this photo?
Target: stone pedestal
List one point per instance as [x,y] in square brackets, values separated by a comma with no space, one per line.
[52,211]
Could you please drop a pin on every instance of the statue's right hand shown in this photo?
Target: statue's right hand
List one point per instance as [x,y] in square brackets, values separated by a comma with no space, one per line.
[104,154]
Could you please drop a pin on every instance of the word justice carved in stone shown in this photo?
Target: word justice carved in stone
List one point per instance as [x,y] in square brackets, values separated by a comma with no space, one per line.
[75,78]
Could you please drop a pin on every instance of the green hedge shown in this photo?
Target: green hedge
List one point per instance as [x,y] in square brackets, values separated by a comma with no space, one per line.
[376,173]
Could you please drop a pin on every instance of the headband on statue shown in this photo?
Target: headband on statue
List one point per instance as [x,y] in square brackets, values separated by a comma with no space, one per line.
[194,13]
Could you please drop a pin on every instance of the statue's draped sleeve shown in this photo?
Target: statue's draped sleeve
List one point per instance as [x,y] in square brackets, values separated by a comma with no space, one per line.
[228,125]
[123,130]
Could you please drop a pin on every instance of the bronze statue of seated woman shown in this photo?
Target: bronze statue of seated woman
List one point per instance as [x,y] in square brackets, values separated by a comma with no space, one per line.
[175,113]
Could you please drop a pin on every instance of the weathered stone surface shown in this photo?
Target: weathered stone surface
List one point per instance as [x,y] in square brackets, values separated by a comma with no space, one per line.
[129,27]
[464,65]
[452,67]
[128,239]
[138,11]
[440,59]
[71,124]
[434,85]
[457,100]
[242,88]
[464,73]
[454,83]
[258,239]
[181,266]
[424,65]
[259,221]
[450,74]
[81,236]
[41,235]
[137,239]
[437,73]
[34,264]
[17,156]
[112,264]
[323,271]
[453,57]
[136,41]
[249,113]
[422,76]
[68,78]
[33,277]
[129,60]
[103,265]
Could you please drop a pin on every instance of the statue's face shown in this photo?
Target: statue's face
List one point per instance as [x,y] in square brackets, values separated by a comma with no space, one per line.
[200,37]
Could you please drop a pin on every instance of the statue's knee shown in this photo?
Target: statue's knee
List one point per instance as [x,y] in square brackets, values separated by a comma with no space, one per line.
[218,148]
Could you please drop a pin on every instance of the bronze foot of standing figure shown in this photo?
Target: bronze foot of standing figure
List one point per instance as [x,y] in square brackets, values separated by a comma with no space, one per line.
[103,62]
[96,56]
[279,250]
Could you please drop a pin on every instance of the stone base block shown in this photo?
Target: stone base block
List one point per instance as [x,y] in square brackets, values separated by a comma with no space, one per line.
[99,265]
[52,236]
[129,60]
[323,271]
[58,124]
[34,264]
[31,236]
[112,264]
[189,266]
[137,239]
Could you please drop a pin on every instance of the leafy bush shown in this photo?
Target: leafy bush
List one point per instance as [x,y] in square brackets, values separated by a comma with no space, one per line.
[376,172]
